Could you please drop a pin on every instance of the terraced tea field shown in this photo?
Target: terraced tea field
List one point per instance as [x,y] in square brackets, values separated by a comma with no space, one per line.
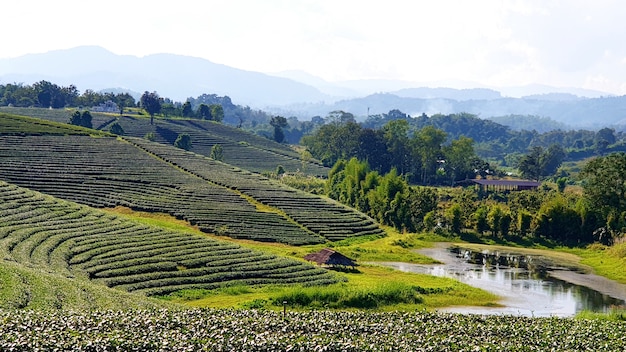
[242,149]
[319,215]
[72,240]
[142,175]
[105,172]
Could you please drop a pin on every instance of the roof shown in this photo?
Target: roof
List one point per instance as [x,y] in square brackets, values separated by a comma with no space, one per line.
[330,257]
[518,183]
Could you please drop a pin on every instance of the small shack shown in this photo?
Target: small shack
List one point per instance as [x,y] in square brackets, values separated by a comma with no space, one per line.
[330,257]
[507,185]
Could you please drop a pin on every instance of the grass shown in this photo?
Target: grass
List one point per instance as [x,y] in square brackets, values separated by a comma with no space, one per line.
[430,292]
[617,314]
[373,287]
[609,262]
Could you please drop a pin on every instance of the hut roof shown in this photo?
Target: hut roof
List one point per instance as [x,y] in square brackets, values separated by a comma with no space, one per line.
[514,183]
[330,257]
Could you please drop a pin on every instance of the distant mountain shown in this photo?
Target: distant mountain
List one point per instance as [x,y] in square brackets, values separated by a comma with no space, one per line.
[449,93]
[296,93]
[593,113]
[174,76]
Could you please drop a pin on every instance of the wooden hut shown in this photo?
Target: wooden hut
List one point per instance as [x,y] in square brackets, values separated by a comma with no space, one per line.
[330,257]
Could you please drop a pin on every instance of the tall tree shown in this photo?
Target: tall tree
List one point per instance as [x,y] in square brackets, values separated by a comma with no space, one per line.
[604,182]
[151,102]
[459,156]
[187,110]
[427,145]
[530,164]
[397,140]
[217,112]
[279,122]
[204,112]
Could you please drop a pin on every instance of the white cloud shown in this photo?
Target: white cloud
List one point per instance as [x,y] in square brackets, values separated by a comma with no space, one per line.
[505,42]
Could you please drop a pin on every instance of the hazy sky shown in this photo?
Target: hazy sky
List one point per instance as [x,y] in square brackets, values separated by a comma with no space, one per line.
[496,43]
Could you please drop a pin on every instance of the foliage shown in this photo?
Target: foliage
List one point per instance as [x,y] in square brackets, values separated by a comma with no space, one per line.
[605,182]
[386,198]
[117,129]
[81,119]
[183,141]
[279,123]
[421,156]
[338,298]
[217,153]
[151,102]
[264,330]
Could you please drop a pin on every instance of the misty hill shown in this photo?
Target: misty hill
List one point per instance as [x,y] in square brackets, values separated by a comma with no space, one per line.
[294,93]
[591,113]
[174,76]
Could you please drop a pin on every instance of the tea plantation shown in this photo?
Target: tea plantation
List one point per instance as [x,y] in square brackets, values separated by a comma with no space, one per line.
[219,198]
[39,231]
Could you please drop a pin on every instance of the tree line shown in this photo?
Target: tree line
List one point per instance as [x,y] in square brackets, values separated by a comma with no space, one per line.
[548,213]
[425,156]
[45,94]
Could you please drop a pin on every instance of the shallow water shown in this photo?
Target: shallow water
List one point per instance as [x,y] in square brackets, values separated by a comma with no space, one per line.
[524,292]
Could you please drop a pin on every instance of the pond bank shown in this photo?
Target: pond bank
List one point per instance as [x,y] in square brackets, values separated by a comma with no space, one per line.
[531,282]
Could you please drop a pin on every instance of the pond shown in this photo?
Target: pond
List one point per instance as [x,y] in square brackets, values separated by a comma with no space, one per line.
[528,285]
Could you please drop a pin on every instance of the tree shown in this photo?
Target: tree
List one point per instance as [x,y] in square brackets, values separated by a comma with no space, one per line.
[427,147]
[187,110]
[551,159]
[459,157]
[396,137]
[604,183]
[217,112]
[78,119]
[124,100]
[183,141]
[204,112]
[279,122]
[217,153]
[530,164]
[151,102]
[339,117]
[117,129]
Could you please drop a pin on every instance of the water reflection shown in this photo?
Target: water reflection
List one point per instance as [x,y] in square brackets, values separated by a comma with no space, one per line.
[526,290]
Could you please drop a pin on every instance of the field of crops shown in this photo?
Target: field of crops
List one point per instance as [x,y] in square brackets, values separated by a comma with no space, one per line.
[11,124]
[73,240]
[106,172]
[234,330]
[319,215]
[242,149]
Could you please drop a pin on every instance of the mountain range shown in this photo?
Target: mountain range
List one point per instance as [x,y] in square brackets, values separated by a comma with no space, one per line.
[296,93]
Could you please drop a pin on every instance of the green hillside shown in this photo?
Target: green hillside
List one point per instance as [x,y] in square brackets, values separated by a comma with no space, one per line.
[67,240]
[241,149]
[218,198]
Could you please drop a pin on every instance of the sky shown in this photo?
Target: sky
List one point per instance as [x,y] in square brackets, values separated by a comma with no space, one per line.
[503,43]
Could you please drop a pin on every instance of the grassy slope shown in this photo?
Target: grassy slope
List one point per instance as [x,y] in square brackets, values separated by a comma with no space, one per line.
[38,289]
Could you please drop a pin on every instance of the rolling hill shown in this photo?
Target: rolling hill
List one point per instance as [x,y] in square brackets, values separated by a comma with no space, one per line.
[78,242]
[241,149]
[105,171]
